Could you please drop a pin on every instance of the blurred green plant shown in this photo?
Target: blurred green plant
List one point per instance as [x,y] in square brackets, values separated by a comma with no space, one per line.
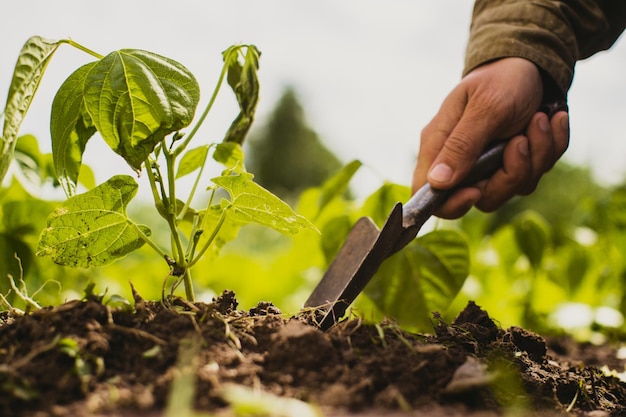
[552,260]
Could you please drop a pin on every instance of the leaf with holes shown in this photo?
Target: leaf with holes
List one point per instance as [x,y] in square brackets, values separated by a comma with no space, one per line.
[92,229]
[251,203]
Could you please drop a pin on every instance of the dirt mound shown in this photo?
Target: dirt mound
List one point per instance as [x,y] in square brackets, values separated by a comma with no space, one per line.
[84,358]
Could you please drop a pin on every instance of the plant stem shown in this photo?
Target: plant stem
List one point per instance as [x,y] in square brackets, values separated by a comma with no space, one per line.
[189,293]
[185,208]
[211,238]
[146,239]
[204,114]
[155,193]
[82,48]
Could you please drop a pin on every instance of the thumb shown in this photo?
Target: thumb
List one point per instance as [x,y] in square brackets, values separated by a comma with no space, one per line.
[461,149]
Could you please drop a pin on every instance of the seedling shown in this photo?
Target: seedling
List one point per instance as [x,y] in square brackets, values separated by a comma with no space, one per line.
[139,103]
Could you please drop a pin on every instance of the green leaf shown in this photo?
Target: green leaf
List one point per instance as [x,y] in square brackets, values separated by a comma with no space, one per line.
[136,98]
[381,202]
[92,229]
[30,67]
[25,216]
[531,234]
[192,160]
[423,278]
[29,157]
[231,155]
[334,233]
[337,184]
[70,128]
[242,78]
[251,203]
[577,266]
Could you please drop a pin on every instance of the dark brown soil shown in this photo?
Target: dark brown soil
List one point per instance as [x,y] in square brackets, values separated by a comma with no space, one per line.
[84,358]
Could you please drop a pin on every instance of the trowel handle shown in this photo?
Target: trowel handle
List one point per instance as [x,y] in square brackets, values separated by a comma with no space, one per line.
[427,199]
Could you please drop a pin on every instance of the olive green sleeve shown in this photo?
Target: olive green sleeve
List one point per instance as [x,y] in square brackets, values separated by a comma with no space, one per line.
[552,34]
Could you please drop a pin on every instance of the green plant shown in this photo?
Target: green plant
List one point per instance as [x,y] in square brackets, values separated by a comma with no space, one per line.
[139,102]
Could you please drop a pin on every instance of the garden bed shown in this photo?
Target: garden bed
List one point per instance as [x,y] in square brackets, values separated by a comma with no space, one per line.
[84,358]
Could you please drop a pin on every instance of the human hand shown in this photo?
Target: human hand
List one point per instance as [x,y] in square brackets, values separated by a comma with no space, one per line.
[495,101]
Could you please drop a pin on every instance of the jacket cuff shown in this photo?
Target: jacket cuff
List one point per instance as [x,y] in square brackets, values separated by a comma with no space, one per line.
[539,33]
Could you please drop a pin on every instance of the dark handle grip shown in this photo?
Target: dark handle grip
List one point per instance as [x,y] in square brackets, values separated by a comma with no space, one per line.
[427,199]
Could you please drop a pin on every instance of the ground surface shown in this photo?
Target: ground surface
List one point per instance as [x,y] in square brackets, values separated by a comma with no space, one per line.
[84,358]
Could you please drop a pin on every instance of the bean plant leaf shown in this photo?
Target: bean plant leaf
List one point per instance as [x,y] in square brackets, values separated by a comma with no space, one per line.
[337,184]
[192,160]
[92,229]
[423,278]
[29,68]
[531,234]
[231,155]
[251,203]
[242,78]
[70,128]
[381,202]
[136,98]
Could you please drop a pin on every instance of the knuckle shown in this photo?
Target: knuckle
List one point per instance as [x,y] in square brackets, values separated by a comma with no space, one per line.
[458,146]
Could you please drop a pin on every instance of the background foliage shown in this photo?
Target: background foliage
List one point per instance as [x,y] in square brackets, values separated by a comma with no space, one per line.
[553,260]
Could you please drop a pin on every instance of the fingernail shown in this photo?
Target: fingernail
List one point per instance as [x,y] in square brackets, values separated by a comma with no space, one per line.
[522,147]
[544,124]
[441,173]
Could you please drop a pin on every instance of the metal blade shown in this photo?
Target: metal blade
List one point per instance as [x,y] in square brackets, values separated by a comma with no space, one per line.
[359,258]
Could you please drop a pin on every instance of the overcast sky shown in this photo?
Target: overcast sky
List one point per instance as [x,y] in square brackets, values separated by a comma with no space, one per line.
[370,74]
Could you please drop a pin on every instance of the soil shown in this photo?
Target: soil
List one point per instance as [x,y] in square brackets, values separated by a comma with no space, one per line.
[84,358]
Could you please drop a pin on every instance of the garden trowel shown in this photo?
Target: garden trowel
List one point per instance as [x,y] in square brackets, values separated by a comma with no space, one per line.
[366,247]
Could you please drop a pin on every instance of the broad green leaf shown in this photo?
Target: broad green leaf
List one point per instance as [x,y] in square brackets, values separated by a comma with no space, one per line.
[92,229]
[30,67]
[29,158]
[70,128]
[192,160]
[231,155]
[337,184]
[242,78]
[251,203]
[136,98]
[25,216]
[421,279]
[334,233]
[86,177]
[381,202]
[531,235]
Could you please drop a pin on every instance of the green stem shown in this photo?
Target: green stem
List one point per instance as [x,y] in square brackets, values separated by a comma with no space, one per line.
[155,193]
[82,48]
[189,293]
[146,239]
[210,240]
[192,193]
[194,130]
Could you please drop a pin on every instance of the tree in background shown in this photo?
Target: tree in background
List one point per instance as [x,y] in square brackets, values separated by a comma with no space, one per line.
[286,155]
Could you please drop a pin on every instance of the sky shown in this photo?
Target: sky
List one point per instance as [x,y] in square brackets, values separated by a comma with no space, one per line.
[370,74]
